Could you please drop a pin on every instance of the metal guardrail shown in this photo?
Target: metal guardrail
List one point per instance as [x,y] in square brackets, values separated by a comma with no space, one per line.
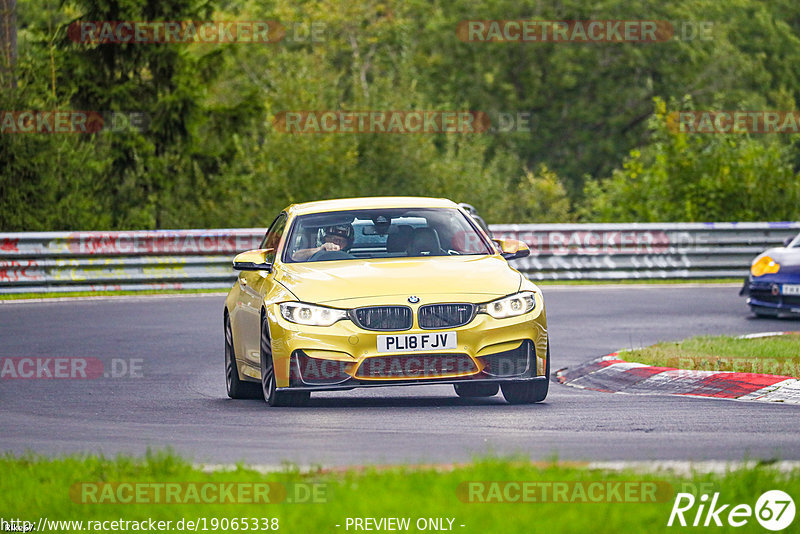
[643,250]
[188,259]
[140,260]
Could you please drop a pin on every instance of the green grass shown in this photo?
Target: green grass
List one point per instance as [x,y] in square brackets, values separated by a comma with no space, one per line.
[779,355]
[24,296]
[33,487]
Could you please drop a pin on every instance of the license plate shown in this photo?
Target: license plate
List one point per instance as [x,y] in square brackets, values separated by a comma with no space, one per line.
[790,289]
[417,342]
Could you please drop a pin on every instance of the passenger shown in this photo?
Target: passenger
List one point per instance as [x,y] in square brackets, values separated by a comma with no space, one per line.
[339,237]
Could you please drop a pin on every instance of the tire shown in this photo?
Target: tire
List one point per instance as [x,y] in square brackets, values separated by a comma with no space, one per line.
[528,392]
[269,390]
[237,388]
[476,390]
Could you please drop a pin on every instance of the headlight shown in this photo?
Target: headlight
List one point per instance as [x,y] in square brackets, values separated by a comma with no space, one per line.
[764,265]
[512,306]
[308,314]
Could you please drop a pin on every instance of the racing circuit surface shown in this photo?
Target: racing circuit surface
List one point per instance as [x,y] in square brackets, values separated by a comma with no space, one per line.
[180,401]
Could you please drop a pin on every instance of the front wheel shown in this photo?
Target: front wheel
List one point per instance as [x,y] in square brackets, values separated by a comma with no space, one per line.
[528,392]
[237,388]
[268,386]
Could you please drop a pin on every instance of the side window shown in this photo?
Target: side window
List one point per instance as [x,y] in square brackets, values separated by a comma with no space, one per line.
[274,234]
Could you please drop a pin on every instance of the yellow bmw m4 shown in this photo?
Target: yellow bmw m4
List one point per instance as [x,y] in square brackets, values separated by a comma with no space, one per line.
[383,291]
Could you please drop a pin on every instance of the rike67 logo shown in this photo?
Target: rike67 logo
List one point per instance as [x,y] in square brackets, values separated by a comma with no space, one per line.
[774,510]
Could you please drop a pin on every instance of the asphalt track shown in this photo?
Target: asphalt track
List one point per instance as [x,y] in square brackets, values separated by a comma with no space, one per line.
[180,400]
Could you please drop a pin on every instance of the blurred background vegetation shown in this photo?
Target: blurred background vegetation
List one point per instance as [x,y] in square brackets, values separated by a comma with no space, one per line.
[598,148]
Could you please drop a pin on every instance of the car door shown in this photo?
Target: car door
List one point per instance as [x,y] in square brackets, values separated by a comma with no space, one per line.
[254,285]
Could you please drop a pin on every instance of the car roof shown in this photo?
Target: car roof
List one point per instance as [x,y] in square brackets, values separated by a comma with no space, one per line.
[341,204]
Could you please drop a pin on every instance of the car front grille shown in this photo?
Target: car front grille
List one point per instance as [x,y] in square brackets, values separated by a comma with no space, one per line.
[445,315]
[384,318]
[416,366]
[765,295]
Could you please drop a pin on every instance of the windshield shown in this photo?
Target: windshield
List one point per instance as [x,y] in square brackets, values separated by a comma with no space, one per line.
[383,233]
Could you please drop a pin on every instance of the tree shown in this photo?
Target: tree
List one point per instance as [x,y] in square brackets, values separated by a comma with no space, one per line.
[539,197]
[8,42]
[160,81]
[698,177]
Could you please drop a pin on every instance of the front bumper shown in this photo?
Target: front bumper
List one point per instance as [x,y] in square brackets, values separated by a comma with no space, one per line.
[518,364]
[348,386]
[765,294]
[345,356]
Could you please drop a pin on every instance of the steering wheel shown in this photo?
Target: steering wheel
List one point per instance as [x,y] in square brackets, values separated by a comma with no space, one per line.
[328,255]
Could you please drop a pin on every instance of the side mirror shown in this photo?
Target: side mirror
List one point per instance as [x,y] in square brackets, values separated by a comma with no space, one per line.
[253,260]
[511,249]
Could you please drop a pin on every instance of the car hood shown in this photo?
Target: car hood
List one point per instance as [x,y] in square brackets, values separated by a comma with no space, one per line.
[325,282]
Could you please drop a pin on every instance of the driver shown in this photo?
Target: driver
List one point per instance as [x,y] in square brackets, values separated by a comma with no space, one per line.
[339,237]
